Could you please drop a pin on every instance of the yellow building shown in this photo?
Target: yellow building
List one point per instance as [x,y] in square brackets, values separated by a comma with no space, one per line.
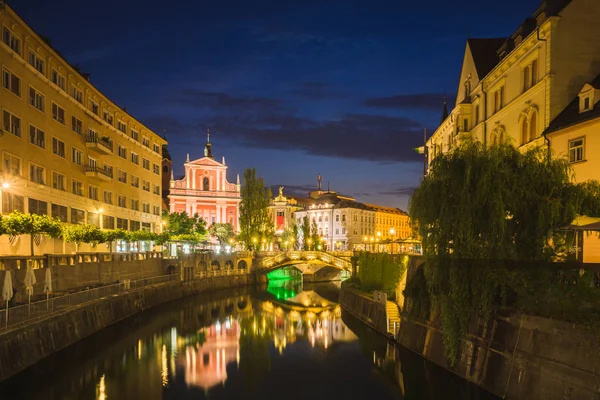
[575,135]
[67,150]
[391,223]
[511,88]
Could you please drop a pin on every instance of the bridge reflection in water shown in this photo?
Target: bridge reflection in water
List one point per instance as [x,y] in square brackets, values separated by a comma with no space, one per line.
[234,345]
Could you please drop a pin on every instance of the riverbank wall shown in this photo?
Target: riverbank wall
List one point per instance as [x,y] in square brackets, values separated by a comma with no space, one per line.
[514,355]
[365,308]
[23,347]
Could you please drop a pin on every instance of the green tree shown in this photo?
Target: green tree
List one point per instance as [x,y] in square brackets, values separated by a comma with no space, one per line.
[305,233]
[255,219]
[33,225]
[181,227]
[287,238]
[82,234]
[222,231]
[314,235]
[480,207]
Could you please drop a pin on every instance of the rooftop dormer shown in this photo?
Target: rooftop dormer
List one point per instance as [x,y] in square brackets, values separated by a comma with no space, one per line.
[588,97]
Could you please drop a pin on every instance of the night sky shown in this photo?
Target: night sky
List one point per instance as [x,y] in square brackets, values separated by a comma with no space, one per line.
[292,88]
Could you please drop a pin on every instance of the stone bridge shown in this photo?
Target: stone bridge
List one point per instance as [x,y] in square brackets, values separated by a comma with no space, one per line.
[314,265]
[328,265]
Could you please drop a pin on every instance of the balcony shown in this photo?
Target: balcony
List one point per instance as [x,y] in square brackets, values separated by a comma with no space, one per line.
[102,145]
[94,171]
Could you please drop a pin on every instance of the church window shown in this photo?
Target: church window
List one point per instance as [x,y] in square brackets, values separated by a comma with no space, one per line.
[206,184]
[165,169]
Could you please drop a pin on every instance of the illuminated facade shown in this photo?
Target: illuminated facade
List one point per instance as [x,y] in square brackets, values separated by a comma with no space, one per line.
[204,190]
[574,135]
[391,223]
[511,88]
[282,212]
[341,221]
[67,150]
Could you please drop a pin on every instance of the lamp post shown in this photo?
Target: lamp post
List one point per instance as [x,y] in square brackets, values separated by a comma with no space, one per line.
[392,233]
[254,240]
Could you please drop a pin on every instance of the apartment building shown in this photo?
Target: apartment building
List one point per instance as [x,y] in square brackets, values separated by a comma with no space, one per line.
[511,88]
[67,150]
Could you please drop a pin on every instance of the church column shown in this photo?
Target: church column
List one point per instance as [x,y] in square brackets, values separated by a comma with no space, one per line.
[218,187]
[224,214]
[224,180]
[187,178]
[193,174]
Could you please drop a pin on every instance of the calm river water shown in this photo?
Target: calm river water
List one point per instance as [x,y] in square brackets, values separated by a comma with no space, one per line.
[285,342]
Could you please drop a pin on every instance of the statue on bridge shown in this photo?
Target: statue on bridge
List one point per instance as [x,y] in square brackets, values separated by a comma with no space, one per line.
[281,190]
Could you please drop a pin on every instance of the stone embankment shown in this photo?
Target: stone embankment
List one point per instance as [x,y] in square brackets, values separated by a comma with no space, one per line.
[22,347]
[364,308]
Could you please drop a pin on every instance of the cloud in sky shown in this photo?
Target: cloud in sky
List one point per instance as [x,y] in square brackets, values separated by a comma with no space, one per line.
[430,101]
[355,136]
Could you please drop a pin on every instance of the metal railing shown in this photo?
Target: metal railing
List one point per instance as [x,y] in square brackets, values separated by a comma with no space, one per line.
[27,313]
[99,140]
[98,169]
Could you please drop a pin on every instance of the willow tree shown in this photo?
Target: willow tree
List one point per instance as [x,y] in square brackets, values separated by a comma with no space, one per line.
[479,207]
[256,224]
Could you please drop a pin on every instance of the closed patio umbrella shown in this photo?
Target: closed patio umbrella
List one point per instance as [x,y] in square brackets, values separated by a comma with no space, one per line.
[29,282]
[48,285]
[7,291]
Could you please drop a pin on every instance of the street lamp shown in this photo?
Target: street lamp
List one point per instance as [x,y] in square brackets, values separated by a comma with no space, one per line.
[5,185]
[254,240]
[392,233]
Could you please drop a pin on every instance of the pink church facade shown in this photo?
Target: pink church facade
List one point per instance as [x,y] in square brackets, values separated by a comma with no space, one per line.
[204,190]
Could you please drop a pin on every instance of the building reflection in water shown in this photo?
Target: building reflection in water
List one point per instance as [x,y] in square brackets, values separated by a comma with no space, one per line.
[206,363]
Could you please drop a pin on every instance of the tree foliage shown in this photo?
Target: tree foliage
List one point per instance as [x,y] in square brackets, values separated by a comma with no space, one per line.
[222,231]
[19,223]
[83,234]
[180,223]
[480,207]
[255,218]
[305,228]
[381,271]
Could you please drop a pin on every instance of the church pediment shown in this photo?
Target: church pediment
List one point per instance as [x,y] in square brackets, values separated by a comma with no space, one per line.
[206,161]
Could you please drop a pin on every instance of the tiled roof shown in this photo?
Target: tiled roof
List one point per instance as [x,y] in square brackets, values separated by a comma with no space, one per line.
[571,116]
[485,54]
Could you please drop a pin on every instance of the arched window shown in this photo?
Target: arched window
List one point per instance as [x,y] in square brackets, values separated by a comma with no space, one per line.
[206,184]
[524,131]
[533,126]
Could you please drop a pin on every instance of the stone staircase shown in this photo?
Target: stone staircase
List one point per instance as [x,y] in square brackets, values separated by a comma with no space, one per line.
[393,317]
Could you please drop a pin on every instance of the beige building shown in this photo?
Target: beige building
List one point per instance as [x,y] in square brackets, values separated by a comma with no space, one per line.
[67,150]
[391,223]
[575,135]
[511,88]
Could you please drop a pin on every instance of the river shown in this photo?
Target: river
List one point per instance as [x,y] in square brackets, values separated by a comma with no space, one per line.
[286,342]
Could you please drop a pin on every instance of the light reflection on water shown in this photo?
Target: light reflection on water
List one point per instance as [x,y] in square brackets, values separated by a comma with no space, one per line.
[239,346]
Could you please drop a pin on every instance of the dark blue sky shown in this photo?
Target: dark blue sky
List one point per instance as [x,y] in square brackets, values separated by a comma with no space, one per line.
[292,88]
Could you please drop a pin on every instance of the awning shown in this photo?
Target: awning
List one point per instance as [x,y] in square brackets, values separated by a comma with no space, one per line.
[584,223]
